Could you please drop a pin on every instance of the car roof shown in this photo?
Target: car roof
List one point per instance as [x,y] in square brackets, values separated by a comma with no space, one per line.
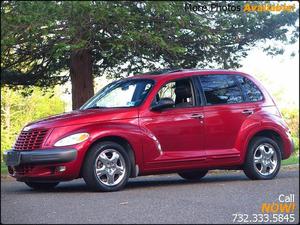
[167,74]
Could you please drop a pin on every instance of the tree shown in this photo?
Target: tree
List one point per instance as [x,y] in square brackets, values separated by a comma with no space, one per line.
[40,41]
[17,110]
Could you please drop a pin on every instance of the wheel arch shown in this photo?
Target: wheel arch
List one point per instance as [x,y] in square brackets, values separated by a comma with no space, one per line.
[269,133]
[121,141]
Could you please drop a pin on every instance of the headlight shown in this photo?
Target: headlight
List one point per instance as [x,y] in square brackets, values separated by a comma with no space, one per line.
[72,139]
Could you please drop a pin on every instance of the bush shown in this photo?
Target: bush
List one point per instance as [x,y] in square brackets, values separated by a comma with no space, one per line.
[291,117]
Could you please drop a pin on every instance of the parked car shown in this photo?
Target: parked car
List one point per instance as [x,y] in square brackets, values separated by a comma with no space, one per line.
[183,121]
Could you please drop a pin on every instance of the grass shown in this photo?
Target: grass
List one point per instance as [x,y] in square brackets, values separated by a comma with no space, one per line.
[294,159]
[3,169]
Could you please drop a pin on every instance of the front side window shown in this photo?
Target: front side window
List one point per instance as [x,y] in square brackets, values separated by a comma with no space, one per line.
[220,89]
[250,89]
[178,91]
[124,93]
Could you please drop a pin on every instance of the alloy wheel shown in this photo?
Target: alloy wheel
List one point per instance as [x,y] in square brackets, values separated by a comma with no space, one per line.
[110,167]
[265,159]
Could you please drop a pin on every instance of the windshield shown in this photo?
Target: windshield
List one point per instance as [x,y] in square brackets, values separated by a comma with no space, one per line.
[122,93]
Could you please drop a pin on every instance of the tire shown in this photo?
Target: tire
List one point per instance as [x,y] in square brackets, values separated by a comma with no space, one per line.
[42,186]
[113,165]
[193,175]
[261,162]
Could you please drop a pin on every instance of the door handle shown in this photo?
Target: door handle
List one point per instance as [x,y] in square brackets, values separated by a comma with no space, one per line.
[248,111]
[197,116]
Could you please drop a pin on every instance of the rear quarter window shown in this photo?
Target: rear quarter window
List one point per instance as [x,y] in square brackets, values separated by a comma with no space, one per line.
[252,92]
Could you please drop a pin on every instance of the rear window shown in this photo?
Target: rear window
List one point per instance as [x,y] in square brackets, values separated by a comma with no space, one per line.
[221,89]
[252,92]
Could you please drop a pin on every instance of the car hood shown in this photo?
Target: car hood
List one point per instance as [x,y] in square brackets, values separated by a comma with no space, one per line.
[84,116]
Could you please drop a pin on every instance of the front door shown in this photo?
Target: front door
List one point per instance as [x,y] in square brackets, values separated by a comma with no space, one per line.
[177,131]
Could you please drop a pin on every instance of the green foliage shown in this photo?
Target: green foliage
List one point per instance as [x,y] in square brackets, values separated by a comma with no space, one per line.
[18,110]
[291,117]
[38,37]
[294,159]
[296,145]
[3,169]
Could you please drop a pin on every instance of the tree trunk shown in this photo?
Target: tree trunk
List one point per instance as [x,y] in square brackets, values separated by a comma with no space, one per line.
[81,77]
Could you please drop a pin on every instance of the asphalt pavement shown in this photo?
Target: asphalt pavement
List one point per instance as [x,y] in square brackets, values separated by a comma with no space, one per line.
[149,199]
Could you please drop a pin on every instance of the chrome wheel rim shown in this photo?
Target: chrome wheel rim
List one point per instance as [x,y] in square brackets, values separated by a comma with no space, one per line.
[110,167]
[265,159]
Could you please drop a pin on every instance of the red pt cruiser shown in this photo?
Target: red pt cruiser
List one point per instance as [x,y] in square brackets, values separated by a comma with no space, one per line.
[184,121]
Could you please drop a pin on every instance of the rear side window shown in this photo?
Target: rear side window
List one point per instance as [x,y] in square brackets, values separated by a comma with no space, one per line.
[221,89]
[251,90]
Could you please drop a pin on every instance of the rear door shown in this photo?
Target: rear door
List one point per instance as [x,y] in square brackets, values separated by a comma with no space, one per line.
[224,113]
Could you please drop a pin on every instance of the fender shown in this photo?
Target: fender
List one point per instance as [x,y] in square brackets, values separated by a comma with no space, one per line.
[124,130]
[138,138]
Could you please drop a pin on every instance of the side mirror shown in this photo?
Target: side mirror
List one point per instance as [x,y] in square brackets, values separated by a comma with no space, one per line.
[163,104]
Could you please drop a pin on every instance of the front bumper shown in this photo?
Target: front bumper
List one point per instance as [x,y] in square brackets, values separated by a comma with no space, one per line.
[38,157]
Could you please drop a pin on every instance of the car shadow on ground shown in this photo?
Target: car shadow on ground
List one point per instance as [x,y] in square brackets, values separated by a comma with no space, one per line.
[151,182]
[142,183]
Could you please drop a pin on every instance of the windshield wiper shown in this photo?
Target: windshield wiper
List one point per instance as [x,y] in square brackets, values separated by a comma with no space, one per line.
[96,107]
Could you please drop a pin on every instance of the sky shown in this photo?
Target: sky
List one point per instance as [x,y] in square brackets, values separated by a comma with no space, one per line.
[279,74]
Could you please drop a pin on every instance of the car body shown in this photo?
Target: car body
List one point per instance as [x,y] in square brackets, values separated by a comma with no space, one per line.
[210,124]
